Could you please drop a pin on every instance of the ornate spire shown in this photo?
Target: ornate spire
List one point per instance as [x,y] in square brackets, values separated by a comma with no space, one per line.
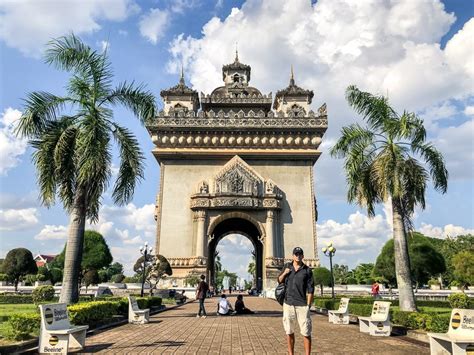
[236,53]
[292,77]
[181,79]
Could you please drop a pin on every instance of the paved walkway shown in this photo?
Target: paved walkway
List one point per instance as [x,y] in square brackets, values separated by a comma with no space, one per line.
[178,331]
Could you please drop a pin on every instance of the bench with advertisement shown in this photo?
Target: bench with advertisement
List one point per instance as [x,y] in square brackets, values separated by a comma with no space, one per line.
[57,335]
[341,316]
[378,324]
[135,314]
[460,336]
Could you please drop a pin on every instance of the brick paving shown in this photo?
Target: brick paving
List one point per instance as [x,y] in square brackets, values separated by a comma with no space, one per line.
[178,331]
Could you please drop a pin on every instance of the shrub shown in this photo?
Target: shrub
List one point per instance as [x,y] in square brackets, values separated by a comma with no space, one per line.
[92,313]
[455,283]
[16,299]
[3,277]
[21,325]
[43,294]
[117,278]
[458,300]
[433,282]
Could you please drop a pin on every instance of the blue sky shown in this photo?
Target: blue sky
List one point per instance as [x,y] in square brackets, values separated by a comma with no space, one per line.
[419,52]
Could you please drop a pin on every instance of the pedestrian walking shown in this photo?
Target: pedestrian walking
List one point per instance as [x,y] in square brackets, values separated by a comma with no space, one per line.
[298,300]
[375,290]
[201,293]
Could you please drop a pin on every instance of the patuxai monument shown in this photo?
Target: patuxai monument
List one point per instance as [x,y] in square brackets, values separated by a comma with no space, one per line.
[236,161]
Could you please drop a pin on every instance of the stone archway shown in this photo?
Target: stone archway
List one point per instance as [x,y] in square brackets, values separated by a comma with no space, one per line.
[236,223]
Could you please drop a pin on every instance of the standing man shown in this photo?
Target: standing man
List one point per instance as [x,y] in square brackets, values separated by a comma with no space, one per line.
[201,293]
[298,300]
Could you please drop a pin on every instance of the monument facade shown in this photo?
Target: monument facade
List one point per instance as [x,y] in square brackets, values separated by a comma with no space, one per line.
[236,161]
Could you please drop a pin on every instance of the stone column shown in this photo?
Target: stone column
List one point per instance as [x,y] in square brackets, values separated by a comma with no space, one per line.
[201,219]
[270,235]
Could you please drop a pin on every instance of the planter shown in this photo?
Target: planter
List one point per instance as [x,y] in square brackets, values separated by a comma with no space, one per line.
[435,287]
[455,288]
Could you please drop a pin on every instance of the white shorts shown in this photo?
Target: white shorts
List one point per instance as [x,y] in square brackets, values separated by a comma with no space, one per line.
[300,314]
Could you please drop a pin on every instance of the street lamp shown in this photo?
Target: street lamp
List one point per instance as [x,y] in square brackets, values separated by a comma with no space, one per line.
[145,251]
[330,251]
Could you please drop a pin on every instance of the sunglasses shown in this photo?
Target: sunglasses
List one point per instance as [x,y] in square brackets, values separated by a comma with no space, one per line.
[298,254]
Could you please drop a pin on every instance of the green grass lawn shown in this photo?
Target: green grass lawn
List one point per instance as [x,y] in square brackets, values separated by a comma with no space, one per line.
[7,309]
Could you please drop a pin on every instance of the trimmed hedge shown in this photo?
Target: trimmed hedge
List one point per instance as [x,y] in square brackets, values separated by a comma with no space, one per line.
[365,300]
[21,326]
[431,321]
[15,299]
[92,313]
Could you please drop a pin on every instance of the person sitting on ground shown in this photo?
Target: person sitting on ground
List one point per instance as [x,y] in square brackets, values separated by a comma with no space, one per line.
[240,306]
[223,307]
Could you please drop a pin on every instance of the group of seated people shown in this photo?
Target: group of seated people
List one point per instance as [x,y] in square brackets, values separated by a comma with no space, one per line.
[224,308]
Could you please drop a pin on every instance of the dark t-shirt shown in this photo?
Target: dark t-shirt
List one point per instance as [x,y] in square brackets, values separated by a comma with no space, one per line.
[298,284]
[239,306]
[202,289]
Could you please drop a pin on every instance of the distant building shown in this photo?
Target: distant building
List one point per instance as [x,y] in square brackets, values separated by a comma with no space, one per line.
[43,259]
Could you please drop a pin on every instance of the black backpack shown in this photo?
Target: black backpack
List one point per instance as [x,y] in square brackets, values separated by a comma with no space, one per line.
[280,290]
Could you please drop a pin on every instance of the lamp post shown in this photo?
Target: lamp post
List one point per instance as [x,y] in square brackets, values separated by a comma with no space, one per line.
[145,251]
[330,251]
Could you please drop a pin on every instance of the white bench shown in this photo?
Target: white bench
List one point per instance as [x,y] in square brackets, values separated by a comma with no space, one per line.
[341,316]
[378,324]
[135,314]
[460,336]
[57,335]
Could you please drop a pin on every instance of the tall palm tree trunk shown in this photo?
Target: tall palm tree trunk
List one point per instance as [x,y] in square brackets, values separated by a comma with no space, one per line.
[74,248]
[402,261]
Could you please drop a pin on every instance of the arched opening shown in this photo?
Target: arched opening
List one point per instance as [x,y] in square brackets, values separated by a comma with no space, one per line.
[236,225]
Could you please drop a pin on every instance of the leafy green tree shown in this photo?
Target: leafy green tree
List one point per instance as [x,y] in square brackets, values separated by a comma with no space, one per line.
[72,138]
[91,277]
[463,263]
[117,278]
[103,275]
[252,270]
[156,267]
[114,269]
[192,280]
[56,275]
[43,274]
[381,166]
[363,274]
[18,263]
[322,277]
[426,262]
[341,273]
[449,247]
[95,255]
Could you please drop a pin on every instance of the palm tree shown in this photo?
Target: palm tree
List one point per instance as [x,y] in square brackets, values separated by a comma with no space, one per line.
[252,269]
[72,137]
[381,166]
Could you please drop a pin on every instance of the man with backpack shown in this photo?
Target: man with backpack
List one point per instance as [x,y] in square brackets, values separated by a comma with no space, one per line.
[298,300]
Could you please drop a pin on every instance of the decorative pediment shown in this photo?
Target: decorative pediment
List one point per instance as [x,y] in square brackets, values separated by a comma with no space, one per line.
[238,178]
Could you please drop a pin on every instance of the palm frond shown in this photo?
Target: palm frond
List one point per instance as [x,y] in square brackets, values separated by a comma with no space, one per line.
[71,54]
[93,160]
[39,108]
[375,109]
[131,165]
[434,159]
[65,162]
[414,179]
[135,98]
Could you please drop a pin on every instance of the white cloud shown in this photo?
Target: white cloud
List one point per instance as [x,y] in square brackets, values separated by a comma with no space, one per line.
[18,219]
[29,25]
[391,47]
[457,147]
[153,25]
[52,232]
[360,237]
[11,147]
[469,110]
[448,230]
[105,46]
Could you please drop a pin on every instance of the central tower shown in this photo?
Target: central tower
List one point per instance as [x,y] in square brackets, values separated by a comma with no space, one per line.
[230,164]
